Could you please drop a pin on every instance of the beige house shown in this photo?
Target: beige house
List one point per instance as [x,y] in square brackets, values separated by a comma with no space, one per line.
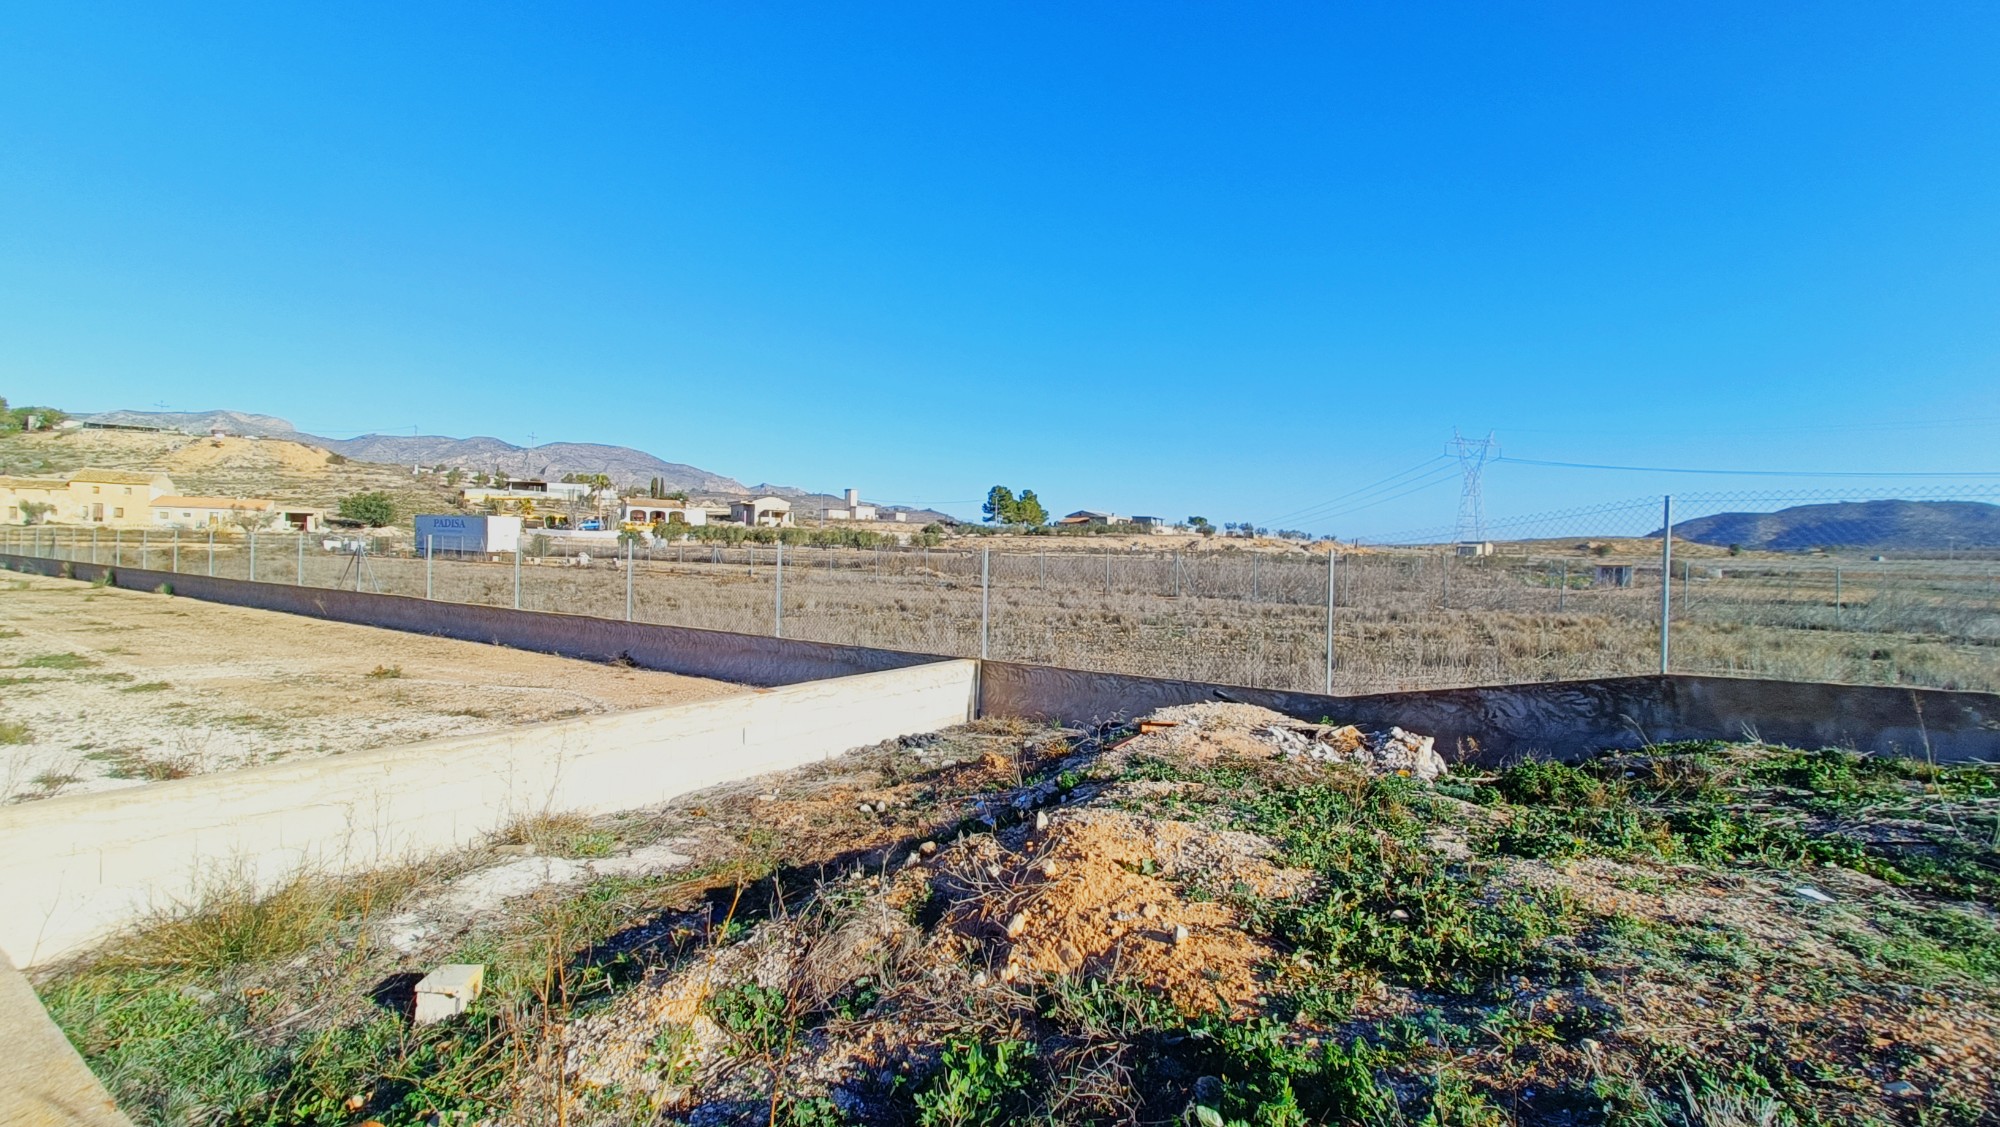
[244,514]
[650,511]
[106,498]
[775,512]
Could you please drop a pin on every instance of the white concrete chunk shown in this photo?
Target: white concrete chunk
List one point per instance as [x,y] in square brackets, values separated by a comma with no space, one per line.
[448,991]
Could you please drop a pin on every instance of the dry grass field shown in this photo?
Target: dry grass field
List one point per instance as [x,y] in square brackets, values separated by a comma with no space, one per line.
[1403,619]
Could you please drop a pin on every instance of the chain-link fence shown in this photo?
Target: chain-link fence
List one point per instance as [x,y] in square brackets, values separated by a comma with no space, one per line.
[1874,591]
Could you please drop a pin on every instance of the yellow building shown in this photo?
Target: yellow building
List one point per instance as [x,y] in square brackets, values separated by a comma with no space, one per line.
[106,498]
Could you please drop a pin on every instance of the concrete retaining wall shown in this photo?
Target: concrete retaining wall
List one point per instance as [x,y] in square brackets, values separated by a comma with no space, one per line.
[748,659]
[73,870]
[1561,718]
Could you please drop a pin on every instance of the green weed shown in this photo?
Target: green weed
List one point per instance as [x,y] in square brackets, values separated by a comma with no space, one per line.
[63,662]
[978,1086]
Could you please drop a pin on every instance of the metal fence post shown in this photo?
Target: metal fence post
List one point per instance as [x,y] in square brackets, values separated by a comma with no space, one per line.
[1666,580]
[93,543]
[631,564]
[299,579]
[1562,585]
[430,555]
[517,575]
[211,551]
[253,557]
[177,551]
[778,614]
[117,547]
[985,597]
[1836,596]
[145,547]
[1330,557]
[1177,573]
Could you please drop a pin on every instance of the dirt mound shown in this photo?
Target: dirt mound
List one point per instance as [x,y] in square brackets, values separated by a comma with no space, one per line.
[1094,893]
[1203,733]
[246,453]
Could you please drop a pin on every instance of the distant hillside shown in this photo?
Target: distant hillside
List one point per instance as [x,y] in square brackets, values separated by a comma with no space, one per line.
[551,459]
[623,464]
[1880,525]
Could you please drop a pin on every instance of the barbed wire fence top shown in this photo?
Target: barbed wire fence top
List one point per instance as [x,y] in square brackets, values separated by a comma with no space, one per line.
[1844,585]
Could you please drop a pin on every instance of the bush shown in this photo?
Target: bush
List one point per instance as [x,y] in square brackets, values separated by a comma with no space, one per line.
[374,509]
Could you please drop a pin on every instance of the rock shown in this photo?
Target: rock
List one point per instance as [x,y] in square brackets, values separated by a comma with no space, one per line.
[1048,870]
[993,872]
[979,979]
[1149,910]
[767,797]
[1180,934]
[1808,892]
[1017,924]
[1407,753]
[1399,914]
[927,848]
[1900,1089]
[909,859]
[448,991]
[1041,819]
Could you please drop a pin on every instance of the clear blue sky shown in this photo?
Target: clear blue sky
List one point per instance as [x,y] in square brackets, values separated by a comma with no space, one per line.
[1172,258]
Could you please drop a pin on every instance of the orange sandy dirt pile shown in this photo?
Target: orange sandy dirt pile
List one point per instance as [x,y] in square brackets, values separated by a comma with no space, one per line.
[1093,894]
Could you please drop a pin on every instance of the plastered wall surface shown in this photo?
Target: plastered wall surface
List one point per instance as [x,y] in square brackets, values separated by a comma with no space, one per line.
[73,870]
[1559,718]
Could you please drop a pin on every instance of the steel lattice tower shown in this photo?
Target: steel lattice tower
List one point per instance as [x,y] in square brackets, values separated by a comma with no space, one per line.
[1472,457]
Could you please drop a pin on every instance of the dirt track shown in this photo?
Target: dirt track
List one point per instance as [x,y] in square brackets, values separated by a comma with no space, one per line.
[101,687]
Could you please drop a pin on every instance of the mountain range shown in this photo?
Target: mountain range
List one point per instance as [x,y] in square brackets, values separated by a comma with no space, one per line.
[481,454]
[1881,525]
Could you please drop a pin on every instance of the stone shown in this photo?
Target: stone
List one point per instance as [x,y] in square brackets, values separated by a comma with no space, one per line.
[927,848]
[1899,1088]
[1017,924]
[1180,934]
[1149,910]
[1041,819]
[1808,892]
[448,991]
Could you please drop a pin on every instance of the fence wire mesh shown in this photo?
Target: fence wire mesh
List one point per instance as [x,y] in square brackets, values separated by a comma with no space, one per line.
[1851,588]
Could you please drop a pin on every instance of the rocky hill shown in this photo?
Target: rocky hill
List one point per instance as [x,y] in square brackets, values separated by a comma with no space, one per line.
[623,464]
[1879,525]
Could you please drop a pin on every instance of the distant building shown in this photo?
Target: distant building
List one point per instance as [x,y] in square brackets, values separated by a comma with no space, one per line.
[855,510]
[528,489]
[774,512]
[1091,516]
[1475,547]
[651,511]
[1150,524]
[244,513]
[105,498]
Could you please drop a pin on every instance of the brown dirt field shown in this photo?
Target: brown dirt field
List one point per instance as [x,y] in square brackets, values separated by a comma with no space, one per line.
[115,688]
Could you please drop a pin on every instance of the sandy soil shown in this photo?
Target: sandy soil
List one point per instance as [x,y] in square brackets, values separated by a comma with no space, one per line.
[103,688]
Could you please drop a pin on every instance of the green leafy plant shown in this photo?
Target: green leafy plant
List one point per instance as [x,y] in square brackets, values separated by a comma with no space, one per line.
[978,1086]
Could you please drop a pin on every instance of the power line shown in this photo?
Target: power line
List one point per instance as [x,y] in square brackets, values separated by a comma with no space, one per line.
[1740,473]
[1388,482]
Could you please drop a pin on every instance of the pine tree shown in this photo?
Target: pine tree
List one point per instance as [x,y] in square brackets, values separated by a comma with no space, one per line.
[1000,505]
